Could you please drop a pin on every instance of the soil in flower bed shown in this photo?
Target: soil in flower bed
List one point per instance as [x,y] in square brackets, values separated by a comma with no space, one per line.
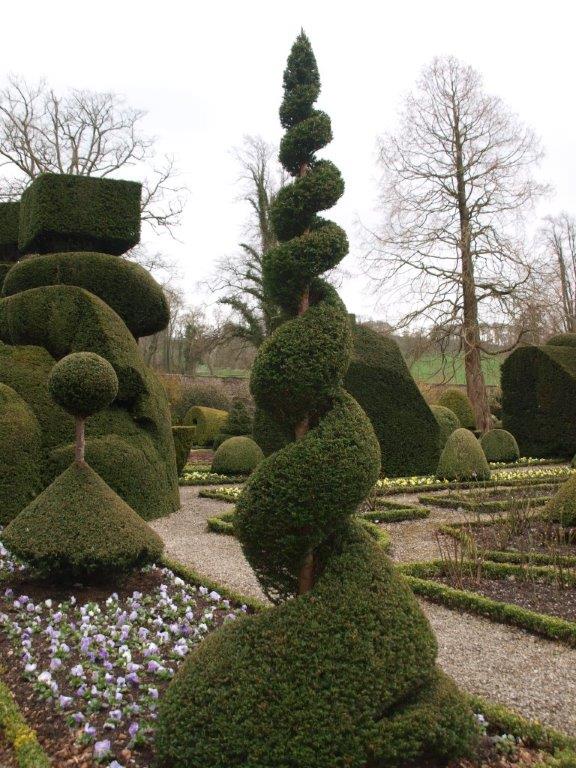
[539,596]
[88,664]
[530,535]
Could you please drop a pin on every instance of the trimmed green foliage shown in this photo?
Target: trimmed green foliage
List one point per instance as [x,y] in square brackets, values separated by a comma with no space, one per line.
[183,439]
[83,383]
[344,673]
[539,398]
[459,404]
[222,524]
[269,433]
[237,456]
[19,735]
[447,421]
[9,215]
[211,394]
[476,504]
[396,515]
[405,427]
[125,286]
[562,340]
[78,528]
[21,454]
[61,212]
[562,506]
[462,458]
[5,267]
[208,422]
[238,422]
[499,445]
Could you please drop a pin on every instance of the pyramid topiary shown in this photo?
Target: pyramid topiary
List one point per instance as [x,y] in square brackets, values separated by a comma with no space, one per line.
[462,458]
[499,445]
[343,673]
[79,527]
[447,421]
[562,506]
[459,404]
[238,455]
[81,301]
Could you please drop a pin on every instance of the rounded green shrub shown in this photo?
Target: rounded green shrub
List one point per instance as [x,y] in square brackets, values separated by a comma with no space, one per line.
[237,456]
[183,440]
[20,467]
[463,458]
[238,422]
[79,528]
[499,445]
[562,506]
[447,421]
[83,383]
[208,394]
[459,404]
[342,673]
[208,422]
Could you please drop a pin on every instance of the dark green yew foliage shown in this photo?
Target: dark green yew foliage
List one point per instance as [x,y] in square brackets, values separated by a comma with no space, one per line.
[463,458]
[447,421]
[499,445]
[207,421]
[562,506]
[183,440]
[9,216]
[342,675]
[238,422]
[459,403]
[238,455]
[83,383]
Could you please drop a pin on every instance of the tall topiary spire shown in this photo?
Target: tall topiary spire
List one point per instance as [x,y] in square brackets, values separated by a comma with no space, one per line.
[342,674]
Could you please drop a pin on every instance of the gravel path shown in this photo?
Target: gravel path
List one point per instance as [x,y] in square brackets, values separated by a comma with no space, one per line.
[535,677]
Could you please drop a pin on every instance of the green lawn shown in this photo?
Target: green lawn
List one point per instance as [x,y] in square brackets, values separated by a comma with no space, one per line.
[429,369]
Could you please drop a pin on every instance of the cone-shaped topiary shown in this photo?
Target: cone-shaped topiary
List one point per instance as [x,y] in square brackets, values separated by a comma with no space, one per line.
[447,421]
[500,445]
[79,527]
[463,458]
[343,674]
[459,404]
[562,506]
[238,455]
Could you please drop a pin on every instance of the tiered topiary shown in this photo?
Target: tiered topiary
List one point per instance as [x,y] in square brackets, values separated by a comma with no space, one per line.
[447,421]
[238,455]
[463,458]
[459,404]
[381,382]
[238,422]
[183,441]
[344,673]
[539,397]
[499,445]
[207,421]
[562,506]
[78,527]
[77,300]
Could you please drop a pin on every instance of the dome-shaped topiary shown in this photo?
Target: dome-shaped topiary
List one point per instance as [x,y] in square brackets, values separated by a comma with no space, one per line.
[562,506]
[83,383]
[342,674]
[500,445]
[447,421]
[463,458]
[79,528]
[459,404]
[237,456]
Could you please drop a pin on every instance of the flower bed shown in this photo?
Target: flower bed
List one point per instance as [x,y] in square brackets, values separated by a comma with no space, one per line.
[222,494]
[209,478]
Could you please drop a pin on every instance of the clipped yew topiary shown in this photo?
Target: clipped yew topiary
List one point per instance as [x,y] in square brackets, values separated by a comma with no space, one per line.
[562,506]
[238,422]
[78,527]
[207,421]
[463,458]
[499,445]
[183,441]
[9,215]
[237,456]
[343,673]
[459,404]
[447,421]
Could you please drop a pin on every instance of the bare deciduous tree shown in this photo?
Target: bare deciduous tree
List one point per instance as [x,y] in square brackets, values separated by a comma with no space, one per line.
[82,133]
[457,179]
[559,238]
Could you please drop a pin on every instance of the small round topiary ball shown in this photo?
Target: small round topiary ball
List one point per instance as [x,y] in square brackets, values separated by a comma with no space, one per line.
[462,458]
[83,383]
[237,456]
[500,445]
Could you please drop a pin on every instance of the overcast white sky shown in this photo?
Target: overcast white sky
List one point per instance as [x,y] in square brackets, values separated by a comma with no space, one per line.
[208,73]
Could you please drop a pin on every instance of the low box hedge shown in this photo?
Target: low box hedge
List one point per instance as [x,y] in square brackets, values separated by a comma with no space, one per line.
[22,738]
[396,515]
[450,501]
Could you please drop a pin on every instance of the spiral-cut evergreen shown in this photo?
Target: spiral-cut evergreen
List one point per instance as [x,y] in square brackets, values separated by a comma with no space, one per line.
[343,673]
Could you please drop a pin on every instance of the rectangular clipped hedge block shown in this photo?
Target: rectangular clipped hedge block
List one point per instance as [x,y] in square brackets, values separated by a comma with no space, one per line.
[79,213]
[9,216]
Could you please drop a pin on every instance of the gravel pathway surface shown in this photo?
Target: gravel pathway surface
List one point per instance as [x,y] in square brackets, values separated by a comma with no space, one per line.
[534,676]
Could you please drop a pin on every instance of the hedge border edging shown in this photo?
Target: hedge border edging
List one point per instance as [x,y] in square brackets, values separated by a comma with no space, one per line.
[492,483]
[396,514]
[481,507]
[23,739]
[215,494]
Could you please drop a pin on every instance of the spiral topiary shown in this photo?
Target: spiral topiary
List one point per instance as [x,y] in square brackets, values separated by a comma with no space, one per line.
[343,674]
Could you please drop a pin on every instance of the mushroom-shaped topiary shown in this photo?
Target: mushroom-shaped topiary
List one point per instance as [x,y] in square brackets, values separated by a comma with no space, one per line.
[237,456]
[500,445]
[79,527]
[447,421]
[459,403]
[463,458]
[562,506]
